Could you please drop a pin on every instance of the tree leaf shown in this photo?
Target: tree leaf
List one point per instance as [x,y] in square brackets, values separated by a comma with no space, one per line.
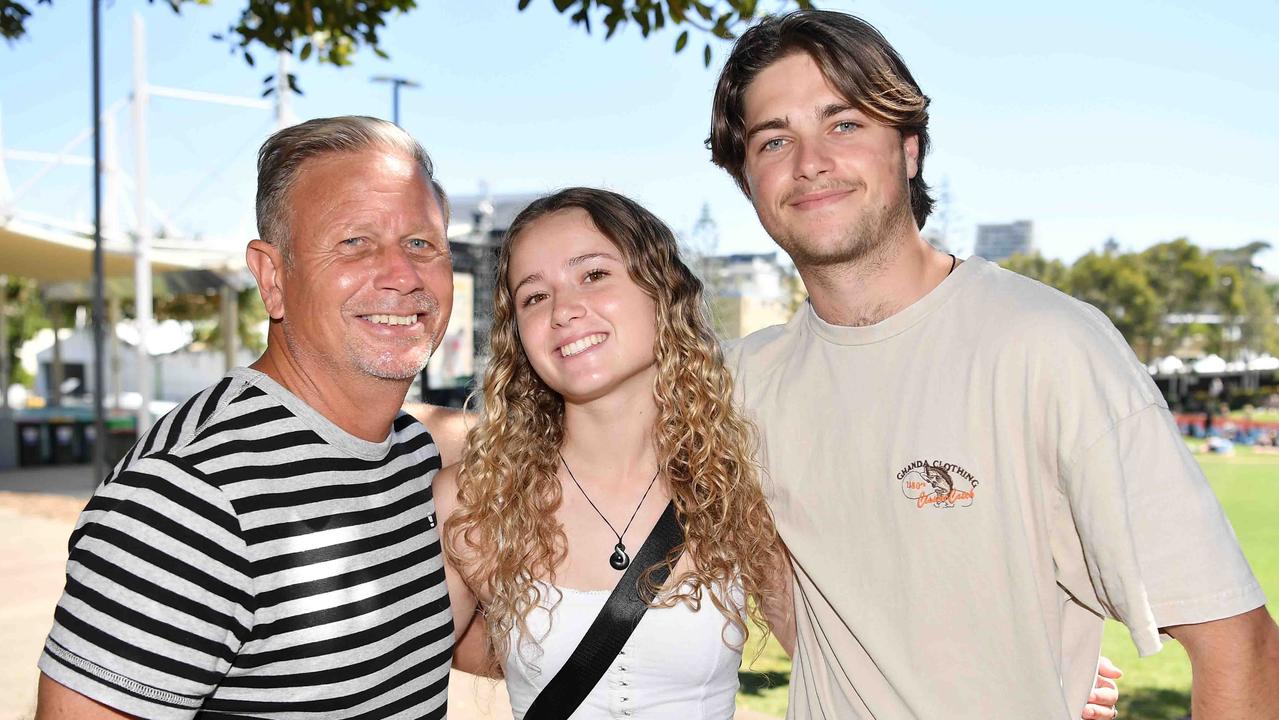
[676,10]
[331,31]
[706,55]
[720,30]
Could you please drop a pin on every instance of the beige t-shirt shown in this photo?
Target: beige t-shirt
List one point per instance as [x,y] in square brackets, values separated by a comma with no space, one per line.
[967,488]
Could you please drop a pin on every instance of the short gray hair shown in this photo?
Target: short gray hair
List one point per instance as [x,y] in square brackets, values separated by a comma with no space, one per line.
[282,155]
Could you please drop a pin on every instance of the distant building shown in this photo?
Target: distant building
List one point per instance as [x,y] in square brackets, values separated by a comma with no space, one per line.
[998,242]
[180,369]
[748,292]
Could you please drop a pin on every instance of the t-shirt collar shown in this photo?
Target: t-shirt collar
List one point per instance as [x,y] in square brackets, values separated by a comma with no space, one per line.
[965,274]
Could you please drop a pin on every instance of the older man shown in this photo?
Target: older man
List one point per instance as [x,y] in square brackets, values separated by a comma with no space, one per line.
[970,469]
[269,549]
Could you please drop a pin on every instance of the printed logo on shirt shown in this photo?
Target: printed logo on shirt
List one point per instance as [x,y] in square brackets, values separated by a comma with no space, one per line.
[938,483]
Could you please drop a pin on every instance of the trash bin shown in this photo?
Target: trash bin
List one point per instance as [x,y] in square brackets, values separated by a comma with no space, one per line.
[65,450]
[85,433]
[122,433]
[33,444]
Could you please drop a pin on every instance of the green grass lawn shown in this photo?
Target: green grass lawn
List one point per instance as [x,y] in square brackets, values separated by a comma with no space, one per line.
[1153,688]
[1258,415]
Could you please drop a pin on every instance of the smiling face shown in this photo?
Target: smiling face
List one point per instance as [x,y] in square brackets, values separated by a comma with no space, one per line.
[586,327]
[828,183]
[369,282]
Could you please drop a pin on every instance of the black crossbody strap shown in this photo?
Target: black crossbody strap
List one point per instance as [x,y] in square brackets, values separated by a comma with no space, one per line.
[612,627]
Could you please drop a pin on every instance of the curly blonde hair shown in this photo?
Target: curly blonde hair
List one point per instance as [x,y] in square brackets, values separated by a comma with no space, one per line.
[503,535]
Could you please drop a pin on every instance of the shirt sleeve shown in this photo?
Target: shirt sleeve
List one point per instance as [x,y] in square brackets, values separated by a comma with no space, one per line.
[1158,547]
[158,593]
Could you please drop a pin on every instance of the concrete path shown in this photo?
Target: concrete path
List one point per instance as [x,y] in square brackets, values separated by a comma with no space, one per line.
[38,509]
[32,554]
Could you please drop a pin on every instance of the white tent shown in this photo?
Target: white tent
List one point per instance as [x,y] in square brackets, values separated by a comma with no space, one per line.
[1210,364]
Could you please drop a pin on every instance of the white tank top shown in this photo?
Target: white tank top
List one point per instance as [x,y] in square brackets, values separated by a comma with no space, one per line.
[675,665]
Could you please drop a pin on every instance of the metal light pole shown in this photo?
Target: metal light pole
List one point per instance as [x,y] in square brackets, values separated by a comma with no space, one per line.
[99,305]
[396,83]
[143,295]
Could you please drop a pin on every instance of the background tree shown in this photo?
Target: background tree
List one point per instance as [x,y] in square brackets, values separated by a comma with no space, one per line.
[1164,298]
[1227,300]
[1184,278]
[1258,330]
[331,31]
[204,313]
[1053,273]
[1255,311]
[26,315]
[1117,285]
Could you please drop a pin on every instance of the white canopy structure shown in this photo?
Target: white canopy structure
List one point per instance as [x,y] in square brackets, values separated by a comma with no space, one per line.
[53,250]
[48,255]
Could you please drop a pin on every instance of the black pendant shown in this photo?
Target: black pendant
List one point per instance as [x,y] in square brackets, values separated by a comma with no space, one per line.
[619,559]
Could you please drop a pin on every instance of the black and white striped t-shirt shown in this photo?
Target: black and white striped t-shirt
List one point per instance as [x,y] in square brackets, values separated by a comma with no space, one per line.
[248,558]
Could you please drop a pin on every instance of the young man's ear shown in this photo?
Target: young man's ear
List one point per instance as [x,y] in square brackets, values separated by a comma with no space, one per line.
[910,147]
[266,262]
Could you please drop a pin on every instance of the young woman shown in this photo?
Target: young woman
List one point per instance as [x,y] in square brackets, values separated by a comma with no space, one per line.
[605,399]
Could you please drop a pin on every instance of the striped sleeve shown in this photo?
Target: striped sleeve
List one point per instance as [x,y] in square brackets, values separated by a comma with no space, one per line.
[158,596]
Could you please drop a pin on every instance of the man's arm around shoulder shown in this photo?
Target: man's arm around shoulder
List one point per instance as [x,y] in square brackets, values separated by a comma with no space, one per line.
[1235,666]
[56,701]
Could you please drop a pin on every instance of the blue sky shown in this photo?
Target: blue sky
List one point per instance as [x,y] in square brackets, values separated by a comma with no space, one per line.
[1138,120]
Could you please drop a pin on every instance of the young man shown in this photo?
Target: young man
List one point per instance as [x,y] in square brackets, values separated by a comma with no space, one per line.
[970,469]
[270,548]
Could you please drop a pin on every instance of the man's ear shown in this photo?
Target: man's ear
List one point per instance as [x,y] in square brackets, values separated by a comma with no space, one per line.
[266,262]
[910,147]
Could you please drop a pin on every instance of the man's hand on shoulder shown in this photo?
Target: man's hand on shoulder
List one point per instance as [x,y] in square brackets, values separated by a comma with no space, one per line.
[448,427]
[1235,664]
[56,701]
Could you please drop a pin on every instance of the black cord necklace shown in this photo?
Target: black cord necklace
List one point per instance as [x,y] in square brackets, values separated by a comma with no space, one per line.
[619,559]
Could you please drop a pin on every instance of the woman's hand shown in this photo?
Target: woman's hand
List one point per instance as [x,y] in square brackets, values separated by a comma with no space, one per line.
[1102,702]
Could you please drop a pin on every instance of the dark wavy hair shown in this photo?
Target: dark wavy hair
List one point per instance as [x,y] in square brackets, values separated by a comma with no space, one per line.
[857,62]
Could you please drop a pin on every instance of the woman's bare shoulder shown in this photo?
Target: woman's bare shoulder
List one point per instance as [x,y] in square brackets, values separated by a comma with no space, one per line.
[448,427]
[444,490]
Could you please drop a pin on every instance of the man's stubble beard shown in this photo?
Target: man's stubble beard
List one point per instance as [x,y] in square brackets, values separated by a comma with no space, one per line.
[384,366]
[389,365]
[866,244]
